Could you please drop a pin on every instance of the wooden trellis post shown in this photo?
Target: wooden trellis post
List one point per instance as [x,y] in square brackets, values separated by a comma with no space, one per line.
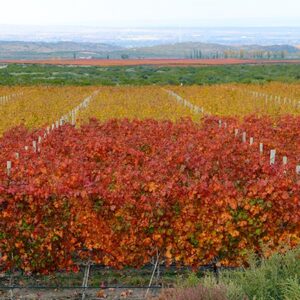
[8,167]
[284,160]
[244,137]
[85,279]
[272,157]
[261,148]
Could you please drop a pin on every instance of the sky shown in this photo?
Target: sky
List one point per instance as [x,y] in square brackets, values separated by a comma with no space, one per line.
[152,13]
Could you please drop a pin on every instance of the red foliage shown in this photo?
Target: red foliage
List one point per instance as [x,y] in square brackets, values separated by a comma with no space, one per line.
[119,192]
[155,62]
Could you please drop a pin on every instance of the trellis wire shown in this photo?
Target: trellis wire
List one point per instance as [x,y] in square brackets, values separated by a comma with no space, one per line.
[36,148]
[275,98]
[6,98]
[204,268]
[195,108]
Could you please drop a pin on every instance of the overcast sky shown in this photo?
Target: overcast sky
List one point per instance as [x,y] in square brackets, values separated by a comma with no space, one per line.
[115,13]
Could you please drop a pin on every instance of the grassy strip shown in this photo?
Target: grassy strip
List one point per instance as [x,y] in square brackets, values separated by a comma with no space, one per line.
[276,278]
[145,75]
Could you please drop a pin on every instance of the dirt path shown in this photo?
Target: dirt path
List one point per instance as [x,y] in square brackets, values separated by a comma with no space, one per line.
[76,294]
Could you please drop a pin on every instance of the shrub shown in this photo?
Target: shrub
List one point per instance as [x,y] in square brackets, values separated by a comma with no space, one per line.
[276,278]
[199,292]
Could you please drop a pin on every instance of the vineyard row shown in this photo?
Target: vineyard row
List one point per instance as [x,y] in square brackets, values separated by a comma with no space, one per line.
[120,192]
[196,109]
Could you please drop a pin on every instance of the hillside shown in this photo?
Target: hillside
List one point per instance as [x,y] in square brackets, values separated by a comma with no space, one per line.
[195,50]
[204,50]
[38,50]
[178,50]
[286,48]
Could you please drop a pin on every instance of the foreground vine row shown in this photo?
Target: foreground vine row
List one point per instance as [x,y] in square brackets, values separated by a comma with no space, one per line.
[120,192]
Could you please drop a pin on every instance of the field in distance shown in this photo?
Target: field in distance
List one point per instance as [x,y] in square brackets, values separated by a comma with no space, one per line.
[76,75]
[154,62]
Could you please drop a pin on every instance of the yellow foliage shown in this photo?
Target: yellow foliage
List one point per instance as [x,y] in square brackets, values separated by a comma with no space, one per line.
[237,100]
[39,106]
[42,105]
[147,102]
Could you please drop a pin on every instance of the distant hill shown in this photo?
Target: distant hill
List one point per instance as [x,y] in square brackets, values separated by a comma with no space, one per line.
[273,48]
[178,50]
[195,50]
[38,50]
